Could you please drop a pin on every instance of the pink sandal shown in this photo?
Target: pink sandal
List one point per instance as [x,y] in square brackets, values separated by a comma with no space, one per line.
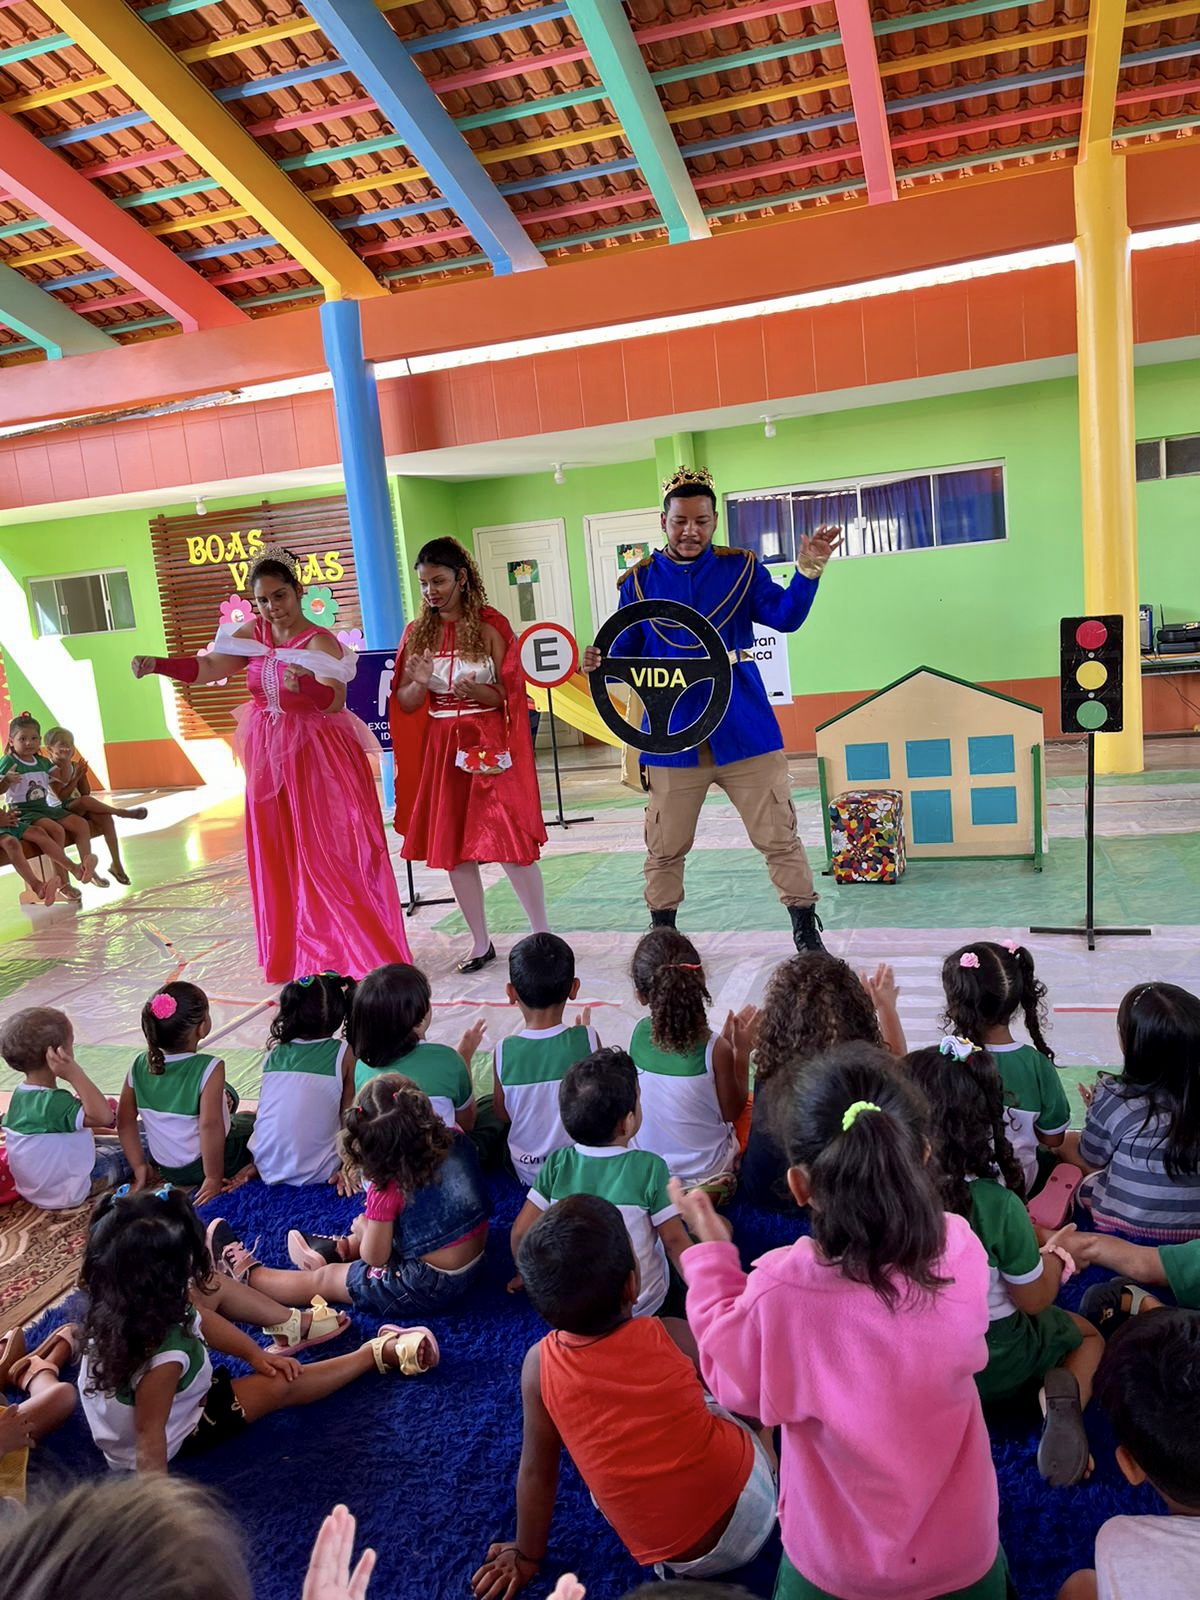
[70,1334]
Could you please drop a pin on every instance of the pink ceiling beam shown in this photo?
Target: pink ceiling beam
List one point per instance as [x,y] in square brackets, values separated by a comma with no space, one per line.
[866,92]
[50,187]
[579,208]
[305,119]
[136,158]
[413,241]
[509,69]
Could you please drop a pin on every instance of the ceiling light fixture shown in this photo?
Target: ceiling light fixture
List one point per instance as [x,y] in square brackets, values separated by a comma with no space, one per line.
[768,427]
[559,475]
[201,508]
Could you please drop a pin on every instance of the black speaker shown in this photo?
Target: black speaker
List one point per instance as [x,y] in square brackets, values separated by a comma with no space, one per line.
[1091,670]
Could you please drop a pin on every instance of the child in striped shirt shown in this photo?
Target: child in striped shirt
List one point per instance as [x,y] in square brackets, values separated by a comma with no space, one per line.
[194,1132]
[1141,1137]
[529,1066]
[599,1105]
[307,1083]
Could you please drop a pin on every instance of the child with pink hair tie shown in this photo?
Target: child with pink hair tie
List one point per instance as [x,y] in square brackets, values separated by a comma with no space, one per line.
[194,1132]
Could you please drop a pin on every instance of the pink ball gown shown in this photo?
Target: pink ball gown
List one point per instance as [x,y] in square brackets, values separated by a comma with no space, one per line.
[324,892]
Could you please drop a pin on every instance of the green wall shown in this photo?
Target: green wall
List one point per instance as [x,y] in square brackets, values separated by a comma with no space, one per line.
[987,611]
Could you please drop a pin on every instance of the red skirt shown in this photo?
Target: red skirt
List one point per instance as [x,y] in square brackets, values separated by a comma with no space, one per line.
[457,816]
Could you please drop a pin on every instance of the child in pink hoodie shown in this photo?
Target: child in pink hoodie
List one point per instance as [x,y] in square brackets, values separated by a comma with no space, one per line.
[861,1343]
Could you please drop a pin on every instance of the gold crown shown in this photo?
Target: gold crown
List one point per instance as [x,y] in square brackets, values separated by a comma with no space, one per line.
[276,552]
[688,475]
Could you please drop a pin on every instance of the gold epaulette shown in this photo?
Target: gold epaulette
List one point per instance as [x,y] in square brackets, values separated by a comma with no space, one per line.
[629,572]
[732,550]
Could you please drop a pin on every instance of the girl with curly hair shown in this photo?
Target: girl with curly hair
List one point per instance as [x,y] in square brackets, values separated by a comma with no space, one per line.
[466,784]
[693,1082]
[986,985]
[418,1246]
[150,1392]
[307,1083]
[1029,1338]
[321,879]
[813,1002]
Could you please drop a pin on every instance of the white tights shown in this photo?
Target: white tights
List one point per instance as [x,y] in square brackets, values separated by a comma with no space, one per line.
[468,891]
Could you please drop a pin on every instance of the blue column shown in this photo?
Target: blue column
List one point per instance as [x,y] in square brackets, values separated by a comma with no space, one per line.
[372,533]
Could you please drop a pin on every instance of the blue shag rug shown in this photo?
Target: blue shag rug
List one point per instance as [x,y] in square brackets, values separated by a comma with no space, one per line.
[428,1466]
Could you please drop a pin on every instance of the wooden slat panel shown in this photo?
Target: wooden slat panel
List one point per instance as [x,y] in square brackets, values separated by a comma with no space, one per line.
[201,561]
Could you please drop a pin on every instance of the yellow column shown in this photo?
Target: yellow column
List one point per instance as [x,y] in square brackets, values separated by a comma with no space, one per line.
[1104,320]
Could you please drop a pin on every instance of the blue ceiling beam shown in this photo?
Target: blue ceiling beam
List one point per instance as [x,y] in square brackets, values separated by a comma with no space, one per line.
[370,47]
[46,322]
[604,28]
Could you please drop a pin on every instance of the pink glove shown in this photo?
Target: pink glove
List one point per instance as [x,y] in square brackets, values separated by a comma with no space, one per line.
[386,1204]
[184,669]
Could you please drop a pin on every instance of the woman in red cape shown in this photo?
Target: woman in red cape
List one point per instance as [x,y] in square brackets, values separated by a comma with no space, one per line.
[466,784]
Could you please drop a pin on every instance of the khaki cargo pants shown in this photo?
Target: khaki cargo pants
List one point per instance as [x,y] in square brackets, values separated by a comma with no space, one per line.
[760,790]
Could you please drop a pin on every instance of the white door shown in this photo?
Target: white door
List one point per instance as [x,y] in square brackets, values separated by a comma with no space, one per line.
[617,541]
[524,569]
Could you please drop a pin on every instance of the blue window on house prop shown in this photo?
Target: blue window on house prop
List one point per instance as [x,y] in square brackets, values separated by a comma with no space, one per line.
[932,816]
[994,807]
[991,754]
[868,763]
[927,758]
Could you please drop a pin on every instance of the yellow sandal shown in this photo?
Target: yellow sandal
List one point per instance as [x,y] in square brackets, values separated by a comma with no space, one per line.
[408,1350]
[326,1324]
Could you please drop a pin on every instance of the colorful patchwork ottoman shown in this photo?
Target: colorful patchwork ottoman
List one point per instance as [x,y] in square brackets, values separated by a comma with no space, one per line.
[866,829]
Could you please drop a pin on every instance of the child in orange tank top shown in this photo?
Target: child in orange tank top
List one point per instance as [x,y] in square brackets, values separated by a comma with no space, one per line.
[686,1486]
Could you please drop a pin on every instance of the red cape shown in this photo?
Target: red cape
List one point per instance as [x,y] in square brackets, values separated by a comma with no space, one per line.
[409,730]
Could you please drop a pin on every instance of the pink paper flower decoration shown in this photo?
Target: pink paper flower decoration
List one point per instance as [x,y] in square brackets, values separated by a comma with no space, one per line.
[235,610]
[968,959]
[217,683]
[163,1006]
[1011,946]
[352,639]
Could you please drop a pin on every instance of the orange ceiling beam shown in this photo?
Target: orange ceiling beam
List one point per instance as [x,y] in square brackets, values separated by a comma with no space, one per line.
[818,250]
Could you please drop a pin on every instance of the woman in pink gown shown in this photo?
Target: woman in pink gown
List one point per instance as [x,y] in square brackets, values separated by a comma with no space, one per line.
[321,880]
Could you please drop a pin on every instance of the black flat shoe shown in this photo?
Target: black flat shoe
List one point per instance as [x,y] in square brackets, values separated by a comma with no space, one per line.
[1062,1456]
[476,963]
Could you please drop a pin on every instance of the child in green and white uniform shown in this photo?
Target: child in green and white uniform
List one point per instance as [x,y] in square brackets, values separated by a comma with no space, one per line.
[307,1083]
[25,775]
[1030,1339]
[389,1016]
[48,1129]
[600,1112]
[986,985]
[529,1066]
[694,1082]
[194,1132]
[148,1402]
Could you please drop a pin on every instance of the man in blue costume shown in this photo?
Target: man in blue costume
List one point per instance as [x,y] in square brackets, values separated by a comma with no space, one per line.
[744,754]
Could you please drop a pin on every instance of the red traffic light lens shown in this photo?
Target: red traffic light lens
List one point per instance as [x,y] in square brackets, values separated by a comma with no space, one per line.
[1091,635]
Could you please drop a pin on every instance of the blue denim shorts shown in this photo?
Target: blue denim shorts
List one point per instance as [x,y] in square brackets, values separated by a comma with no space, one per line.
[410,1287]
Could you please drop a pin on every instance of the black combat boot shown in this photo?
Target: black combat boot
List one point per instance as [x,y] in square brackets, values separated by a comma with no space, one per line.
[806,928]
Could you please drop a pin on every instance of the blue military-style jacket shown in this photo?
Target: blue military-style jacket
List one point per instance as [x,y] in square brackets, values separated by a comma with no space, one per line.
[734,591]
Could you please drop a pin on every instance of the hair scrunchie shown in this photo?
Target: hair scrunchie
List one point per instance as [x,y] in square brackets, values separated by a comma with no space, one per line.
[958,1047]
[852,1113]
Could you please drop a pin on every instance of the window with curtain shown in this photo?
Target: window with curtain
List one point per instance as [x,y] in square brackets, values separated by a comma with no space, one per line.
[880,516]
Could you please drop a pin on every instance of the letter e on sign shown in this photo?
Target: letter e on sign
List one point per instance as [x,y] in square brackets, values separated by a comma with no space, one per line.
[549,654]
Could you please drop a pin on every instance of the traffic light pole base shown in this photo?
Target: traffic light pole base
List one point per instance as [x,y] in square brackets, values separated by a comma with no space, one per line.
[1092,934]
[559,821]
[1089,930]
